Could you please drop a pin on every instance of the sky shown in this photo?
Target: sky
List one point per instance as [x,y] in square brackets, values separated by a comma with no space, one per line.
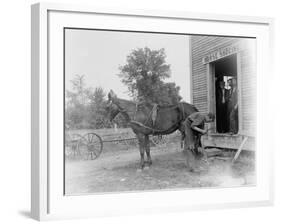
[98,55]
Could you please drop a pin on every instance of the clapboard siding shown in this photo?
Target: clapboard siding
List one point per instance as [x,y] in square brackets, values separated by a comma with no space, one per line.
[248,89]
[201,46]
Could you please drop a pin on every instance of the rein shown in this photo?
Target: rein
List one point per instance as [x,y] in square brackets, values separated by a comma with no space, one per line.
[144,126]
[122,110]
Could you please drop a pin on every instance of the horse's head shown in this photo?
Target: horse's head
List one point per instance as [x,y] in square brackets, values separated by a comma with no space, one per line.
[112,108]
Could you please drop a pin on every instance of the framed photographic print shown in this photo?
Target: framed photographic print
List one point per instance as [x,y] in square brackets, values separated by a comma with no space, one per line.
[148,111]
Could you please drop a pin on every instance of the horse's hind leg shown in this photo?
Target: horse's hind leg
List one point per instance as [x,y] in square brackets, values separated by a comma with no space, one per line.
[147,150]
[141,139]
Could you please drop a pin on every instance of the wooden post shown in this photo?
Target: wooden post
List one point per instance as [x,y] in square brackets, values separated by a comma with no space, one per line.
[240,149]
[211,99]
[239,89]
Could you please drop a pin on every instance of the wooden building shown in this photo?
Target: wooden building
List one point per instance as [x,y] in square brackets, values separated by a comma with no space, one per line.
[215,58]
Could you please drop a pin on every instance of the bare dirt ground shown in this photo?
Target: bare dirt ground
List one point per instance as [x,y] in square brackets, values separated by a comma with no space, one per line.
[116,170]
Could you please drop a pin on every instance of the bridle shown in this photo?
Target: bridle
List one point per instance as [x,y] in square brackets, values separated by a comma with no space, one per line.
[122,110]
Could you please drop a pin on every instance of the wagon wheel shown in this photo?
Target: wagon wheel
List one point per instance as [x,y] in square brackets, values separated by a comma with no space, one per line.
[75,140]
[72,144]
[93,144]
[158,140]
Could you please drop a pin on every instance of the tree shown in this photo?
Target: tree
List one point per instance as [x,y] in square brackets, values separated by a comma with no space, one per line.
[79,88]
[168,93]
[76,103]
[97,113]
[144,74]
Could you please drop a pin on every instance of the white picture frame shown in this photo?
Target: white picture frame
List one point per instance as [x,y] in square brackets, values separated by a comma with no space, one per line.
[47,199]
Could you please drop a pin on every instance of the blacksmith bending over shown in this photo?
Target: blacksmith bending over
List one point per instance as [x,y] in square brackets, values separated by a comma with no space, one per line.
[198,120]
[194,129]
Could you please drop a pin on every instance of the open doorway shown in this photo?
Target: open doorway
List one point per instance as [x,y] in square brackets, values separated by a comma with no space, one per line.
[226,95]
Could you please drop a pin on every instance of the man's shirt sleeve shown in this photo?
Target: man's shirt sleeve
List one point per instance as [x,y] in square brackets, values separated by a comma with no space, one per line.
[196,119]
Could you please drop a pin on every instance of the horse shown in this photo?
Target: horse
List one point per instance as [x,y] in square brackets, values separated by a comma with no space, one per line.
[139,117]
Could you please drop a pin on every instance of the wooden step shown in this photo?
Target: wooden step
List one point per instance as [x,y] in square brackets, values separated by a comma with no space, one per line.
[213,152]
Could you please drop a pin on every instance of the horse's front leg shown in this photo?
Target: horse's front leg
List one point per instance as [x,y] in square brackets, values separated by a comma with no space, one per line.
[141,140]
[147,150]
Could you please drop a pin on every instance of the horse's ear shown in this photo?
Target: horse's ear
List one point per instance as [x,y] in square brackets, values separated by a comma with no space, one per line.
[111,95]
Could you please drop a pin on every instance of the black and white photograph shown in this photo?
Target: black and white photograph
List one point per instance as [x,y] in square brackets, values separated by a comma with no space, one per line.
[147,111]
[140,112]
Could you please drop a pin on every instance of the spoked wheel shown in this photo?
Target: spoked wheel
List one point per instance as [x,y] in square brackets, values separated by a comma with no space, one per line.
[158,140]
[93,145]
[72,145]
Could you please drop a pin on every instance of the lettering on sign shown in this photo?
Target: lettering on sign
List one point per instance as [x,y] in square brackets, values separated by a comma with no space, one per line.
[220,54]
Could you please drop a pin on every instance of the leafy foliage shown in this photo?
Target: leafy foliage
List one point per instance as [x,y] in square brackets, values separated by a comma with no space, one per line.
[144,74]
[75,103]
[85,107]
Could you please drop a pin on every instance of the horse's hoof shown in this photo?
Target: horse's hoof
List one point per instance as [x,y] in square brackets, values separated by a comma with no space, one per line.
[146,168]
[139,170]
[196,170]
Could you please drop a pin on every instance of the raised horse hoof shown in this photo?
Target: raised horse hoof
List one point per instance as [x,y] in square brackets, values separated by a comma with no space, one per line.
[149,163]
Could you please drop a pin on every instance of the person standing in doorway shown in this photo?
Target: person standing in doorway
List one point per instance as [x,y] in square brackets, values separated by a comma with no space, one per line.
[232,106]
[221,107]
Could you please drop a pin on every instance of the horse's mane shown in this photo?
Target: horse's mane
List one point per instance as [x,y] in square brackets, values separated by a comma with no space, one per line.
[128,105]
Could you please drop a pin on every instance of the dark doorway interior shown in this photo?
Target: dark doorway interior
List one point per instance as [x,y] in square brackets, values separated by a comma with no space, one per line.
[226,94]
